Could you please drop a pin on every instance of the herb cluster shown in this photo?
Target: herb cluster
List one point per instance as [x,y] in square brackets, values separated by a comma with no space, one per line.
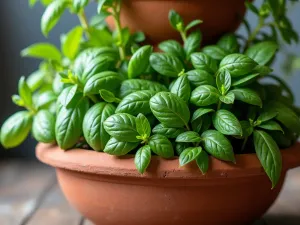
[104,90]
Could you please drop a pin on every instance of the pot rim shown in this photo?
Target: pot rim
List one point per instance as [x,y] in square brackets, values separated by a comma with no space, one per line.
[92,162]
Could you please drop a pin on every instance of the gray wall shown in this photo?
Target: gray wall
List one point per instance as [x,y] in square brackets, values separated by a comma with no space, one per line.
[20,27]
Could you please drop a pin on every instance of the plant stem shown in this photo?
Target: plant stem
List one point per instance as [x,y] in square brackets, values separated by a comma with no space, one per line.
[116,17]
[187,127]
[84,23]
[183,36]
[219,105]
[252,36]
[244,143]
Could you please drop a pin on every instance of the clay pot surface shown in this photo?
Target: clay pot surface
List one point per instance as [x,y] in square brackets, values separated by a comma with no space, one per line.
[109,191]
[151,17]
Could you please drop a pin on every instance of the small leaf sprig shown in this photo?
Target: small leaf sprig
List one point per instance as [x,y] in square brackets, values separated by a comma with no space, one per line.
[105,90]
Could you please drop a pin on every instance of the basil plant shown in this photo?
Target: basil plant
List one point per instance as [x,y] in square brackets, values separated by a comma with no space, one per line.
[105,90]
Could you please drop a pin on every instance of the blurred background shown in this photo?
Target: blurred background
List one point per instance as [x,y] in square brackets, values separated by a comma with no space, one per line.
[20,27]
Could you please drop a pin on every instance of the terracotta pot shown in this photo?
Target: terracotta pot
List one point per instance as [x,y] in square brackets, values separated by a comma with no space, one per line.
[151,17]
[109,191]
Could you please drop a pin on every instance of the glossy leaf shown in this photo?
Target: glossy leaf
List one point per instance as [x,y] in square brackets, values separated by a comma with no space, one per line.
[182,88]
[247,95]
[228,98]
[43,127]
[271,125]
[166,64]
[269,155]
[223,81]
[161,146]
[139,61]
[93,128]
[143,126]
[202,161]
[229,43]
[71,43]
[175,20]
[218,145]
[200,77]
[108,96]
[237,64]
[42,51]
[25,92]
[172,47]
[200,112]
[192,24]
[122,126]
[245,80]
[15,129]
[142,158]
[262,52]
[188,136]
[214,52]
[169,132]
[119,148]
[188,155]
[169,109]
[192,43]
[136,102]
[247,128]
[204,62]
[205,95]
[227,123]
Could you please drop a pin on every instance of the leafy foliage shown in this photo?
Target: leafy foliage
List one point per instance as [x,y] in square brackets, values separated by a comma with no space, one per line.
[106,91]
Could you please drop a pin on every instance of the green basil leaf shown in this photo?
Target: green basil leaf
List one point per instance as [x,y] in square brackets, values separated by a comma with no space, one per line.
[68,125]
[36,79]
[237,64]
[166,64]
[93,128]
[192,43]
[262,70]
[102,3]
[108,96]
[218,145]
[142,158]
[68,96]
[266,115]
[200,112]
[79,4]
[188,136]
[204,62]
[282,140]
[200,77]
[136,102]
[223,81]
[43,127]
[225,122]
[161,146]
[175,20]
[139,62]
[247,95]
[252,7]
[262,52]
[246,80]
[143,126]
[42,51]
[271,125]
[172,47]
[58,86]
[133,85]
[169,132]
[229,43]
[247,128]
[197,124]
[106,80]
[119,148]
[122,126]
[96,66]
[188,155]
[71,93]
[202,161]
[193,24]
[17,100]
[214,52]
[182,88]
[228,99]
[72,41]
[16,129]
[45,99]
[25,92]
[205,95]
[169,109]
[269,155]
[180,147]
[52,15]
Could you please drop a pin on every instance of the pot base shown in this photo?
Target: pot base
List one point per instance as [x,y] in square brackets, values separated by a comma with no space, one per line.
[108,191]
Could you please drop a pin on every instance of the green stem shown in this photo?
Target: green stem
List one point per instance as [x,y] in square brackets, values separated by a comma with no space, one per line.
[116,17]
[252,36]
[219,105]
[187,127]
[84,23]
[183,36]
[244,143]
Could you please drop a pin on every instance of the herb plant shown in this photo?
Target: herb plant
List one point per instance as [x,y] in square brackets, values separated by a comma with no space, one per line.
[106,91]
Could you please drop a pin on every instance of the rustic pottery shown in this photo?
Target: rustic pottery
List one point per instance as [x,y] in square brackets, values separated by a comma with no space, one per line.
[109,191]
[151,16]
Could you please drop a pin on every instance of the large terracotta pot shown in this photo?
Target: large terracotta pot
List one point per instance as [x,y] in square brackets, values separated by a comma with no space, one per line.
[151,17]
[109,191]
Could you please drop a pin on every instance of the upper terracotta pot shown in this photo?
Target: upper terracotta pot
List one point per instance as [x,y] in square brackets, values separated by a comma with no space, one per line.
[109,191]
[151,17]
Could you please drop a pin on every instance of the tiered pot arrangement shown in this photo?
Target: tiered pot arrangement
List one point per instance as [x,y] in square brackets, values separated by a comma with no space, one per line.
[185,131]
